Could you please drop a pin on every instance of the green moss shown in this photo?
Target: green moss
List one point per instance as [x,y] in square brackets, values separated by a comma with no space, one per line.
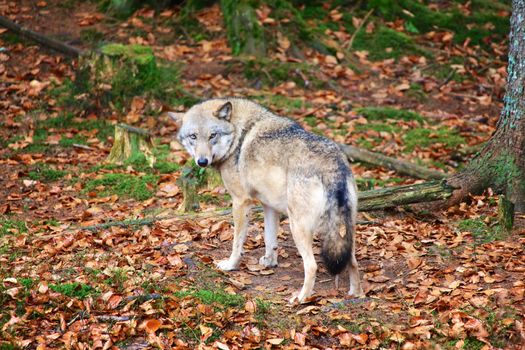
[366,143]
[11,226]
[61,121]
[313,11]
[166,167]
[67,121]
[310,120]
[421,137]
[91,36]
[379,127]
[28,283]
[443,72]
[506,170]
[74,290]
[386,43]
[365,184]
[142,55]
[423,19]
[112,79]
[481,232]
[76,139]
[471,343]
[124,185]
[43,172]
[210,297]
[245,34]
[273,73]
[416,91]
[117,279]
[40,135]
[282,102]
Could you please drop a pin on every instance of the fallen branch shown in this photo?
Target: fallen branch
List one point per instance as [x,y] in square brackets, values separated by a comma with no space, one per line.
[402,167]
[40,38]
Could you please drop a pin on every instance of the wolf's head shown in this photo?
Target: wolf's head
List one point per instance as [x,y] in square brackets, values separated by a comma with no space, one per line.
[205,131]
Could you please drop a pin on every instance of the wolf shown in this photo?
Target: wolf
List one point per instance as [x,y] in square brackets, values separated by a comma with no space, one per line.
[271,159]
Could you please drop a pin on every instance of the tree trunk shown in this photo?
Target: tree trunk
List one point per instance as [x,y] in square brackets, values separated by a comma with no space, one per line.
[501,163]
[245,34]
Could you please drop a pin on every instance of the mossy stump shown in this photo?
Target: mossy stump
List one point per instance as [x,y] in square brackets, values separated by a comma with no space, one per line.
[131,143]
[192,179]
[113,76]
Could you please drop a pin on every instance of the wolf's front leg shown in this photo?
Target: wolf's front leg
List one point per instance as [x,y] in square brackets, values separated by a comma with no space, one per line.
[271,226]
[240,211]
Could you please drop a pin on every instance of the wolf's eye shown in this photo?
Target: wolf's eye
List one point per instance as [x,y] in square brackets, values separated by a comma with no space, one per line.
[212,136]
[193,136]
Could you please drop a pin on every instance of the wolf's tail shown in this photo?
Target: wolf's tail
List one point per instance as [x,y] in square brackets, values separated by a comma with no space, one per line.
[338,242]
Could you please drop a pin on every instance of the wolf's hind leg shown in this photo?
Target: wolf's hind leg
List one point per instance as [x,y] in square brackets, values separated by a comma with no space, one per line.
[271,226]
[303,239]
[240,211]
[355,281]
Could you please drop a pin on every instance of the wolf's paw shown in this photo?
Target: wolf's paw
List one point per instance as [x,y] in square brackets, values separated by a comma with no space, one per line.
[227,265]
[268,261]
[297,297]
[356,292]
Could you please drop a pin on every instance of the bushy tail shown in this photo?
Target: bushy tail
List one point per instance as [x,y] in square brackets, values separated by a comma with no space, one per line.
[338,244]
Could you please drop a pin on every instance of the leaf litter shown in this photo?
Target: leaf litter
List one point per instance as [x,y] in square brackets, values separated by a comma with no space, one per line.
[428,280]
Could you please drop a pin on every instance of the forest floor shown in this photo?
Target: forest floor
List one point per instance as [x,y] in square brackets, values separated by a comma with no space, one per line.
[94,255]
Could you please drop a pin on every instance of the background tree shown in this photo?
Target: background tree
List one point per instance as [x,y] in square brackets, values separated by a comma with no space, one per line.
[501,163]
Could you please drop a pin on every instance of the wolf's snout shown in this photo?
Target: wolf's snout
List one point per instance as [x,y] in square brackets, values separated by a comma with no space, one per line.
[202,162]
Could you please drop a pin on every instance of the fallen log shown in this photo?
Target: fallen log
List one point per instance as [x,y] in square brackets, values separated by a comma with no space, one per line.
[40,38]
[400,166]
[383,198]
[390,197]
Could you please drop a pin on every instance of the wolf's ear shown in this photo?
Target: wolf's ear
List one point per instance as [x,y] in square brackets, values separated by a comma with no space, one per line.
[177,117]
[225,112]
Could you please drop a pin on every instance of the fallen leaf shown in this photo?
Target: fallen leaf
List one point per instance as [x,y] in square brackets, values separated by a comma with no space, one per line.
[152,325]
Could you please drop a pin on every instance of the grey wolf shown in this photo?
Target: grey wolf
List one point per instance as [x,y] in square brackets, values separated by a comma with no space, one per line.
[271,159]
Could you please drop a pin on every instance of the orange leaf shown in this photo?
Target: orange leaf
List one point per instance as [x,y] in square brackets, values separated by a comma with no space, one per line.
[206,332]
[152,325]
[300,339]
[345,339]
[360,338]
[250,306]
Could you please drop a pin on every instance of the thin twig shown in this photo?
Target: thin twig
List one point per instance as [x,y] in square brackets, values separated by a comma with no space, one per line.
[351,42]
[110,318]
[77,145]
[448,78]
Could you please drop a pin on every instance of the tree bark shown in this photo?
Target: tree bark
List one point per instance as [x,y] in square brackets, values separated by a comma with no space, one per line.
[128,142]
[391,197]
[501,163]
[245,34]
